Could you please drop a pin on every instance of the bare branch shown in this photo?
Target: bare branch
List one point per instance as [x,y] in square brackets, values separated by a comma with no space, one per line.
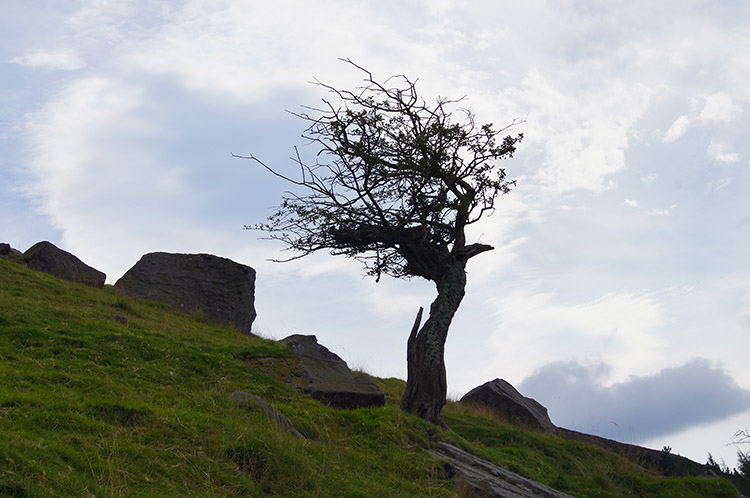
[395,180]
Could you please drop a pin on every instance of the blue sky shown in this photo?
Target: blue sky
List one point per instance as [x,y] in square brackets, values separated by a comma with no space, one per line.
[621,271]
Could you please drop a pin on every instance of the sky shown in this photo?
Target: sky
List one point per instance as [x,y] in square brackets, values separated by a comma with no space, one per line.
[618,293]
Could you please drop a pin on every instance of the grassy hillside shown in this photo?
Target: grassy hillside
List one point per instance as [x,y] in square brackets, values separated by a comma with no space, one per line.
[102,395]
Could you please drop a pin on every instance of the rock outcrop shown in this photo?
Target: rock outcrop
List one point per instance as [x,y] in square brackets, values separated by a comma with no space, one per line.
[223,290]
[658,461]
[48,258]
[505,403]
[7,251]
[479,478]
[328,379]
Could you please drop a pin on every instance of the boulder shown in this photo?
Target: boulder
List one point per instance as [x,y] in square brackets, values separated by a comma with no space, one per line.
[328,379]
[7,251]
[224,291]
[46,257]
[505,403]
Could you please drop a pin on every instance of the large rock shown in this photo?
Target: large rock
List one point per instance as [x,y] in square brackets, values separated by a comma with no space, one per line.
[328,378]
[7,251]
[479,478]
[46,257]
[224,291]
[505,403]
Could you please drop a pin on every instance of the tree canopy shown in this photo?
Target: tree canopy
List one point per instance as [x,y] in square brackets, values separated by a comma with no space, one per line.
[396,180]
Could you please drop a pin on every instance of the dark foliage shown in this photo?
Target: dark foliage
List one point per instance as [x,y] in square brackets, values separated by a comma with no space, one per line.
[395,182]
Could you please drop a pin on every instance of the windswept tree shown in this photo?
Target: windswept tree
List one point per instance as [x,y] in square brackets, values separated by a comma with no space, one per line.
[395,184]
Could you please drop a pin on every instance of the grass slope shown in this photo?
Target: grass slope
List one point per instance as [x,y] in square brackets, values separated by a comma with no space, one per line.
[102,395]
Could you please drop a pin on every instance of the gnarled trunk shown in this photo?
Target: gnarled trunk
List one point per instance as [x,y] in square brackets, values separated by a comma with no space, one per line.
[426,384]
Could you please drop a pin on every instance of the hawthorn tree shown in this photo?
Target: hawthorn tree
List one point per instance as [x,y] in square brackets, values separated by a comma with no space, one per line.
[395,184]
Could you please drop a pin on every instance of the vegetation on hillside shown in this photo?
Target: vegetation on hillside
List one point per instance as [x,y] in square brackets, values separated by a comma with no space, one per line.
[103,395]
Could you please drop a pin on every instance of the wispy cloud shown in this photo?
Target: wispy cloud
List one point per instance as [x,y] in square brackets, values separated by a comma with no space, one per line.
[718,185]
[649,179]
[632,203]
[678,129]
[722,152]
[55,60]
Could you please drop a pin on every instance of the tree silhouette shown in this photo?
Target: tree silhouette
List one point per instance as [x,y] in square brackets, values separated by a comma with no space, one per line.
[395,184]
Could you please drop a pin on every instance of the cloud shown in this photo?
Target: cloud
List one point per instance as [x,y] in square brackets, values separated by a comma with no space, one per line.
[678,129]
[641,407]
[621,327]
[719,108]
[718,185]
[662,212]
[60,60]
[722,152]
[649,179]
[584,128]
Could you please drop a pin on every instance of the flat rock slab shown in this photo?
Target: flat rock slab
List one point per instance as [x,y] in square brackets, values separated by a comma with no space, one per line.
[506,403]
[219,287]
[479,478]
[48,258]
[328,378]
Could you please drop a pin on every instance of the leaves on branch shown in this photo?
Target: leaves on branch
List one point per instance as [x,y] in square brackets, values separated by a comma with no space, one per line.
[396,180]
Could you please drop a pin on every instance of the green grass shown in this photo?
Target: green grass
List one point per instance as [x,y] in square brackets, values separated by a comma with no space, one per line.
[102,395]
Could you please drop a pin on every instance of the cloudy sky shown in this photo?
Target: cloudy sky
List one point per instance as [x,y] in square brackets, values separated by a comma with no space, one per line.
[618,294]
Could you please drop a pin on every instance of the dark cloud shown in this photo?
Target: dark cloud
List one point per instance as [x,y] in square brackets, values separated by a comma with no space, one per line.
[643,407]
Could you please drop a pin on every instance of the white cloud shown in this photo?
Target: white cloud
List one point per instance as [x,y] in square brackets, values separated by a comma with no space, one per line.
[649,179]
[662,212]
[619,328]
[722,152]
[584,131]
[719,108]
[631,203]
[244,51]
[398,298]
[440,7]
[678,129]
[53,60]
[717,185]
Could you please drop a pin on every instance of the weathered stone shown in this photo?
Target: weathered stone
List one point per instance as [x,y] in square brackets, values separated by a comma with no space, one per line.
[46,257]
[328,378]
[271,412]
[224,291]
[505,403]
[6,250]
[479,478]
[657,461]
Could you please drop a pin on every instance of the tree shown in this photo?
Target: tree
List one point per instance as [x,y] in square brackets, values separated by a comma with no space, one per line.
[395,184]
[743,458]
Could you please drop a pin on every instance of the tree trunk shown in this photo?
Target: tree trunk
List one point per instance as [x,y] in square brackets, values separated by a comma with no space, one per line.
[426,384]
